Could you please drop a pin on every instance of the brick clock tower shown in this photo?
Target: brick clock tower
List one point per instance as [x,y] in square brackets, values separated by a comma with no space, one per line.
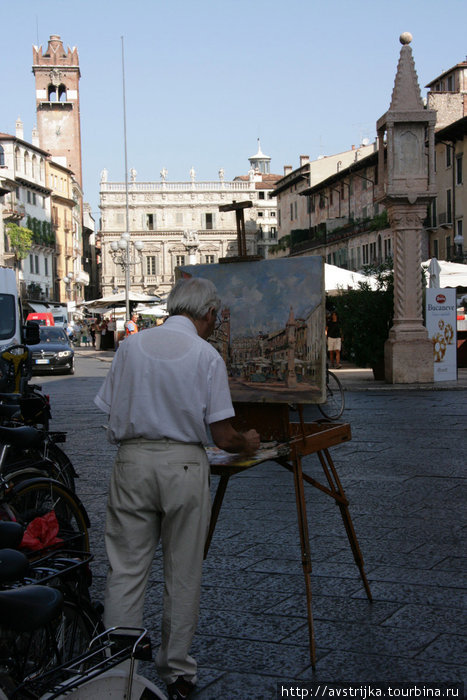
[57,77]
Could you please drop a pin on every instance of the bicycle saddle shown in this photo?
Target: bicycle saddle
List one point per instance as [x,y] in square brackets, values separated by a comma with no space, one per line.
[14,565]
[11,534]
[24,436]
[26,609]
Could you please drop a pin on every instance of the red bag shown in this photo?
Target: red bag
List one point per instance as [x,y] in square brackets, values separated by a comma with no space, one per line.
[41,532]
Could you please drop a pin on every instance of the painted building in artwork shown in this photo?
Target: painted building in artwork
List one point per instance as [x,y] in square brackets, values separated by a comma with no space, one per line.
[179,223]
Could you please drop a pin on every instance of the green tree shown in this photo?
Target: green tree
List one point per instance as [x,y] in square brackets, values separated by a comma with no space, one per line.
[20,239]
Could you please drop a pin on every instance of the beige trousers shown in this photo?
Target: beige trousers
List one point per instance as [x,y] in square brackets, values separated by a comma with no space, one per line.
[159,490]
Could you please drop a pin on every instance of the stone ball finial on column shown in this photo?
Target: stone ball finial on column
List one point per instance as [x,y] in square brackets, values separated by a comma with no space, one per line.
[405,38]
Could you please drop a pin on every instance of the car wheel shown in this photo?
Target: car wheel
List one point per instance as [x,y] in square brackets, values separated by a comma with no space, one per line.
[72,367]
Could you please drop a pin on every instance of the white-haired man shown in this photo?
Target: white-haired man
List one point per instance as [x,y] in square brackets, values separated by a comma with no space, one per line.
[166,387]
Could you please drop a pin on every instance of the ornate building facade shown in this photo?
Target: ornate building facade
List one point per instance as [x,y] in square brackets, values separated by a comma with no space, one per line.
[179,223]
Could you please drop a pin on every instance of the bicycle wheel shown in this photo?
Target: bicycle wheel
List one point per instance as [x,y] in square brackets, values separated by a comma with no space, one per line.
[38,497]
[65,471]
[79,624]
[334,405]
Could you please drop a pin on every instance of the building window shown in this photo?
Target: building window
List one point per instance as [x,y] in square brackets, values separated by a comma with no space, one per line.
[150,264]
[150,222]
[450,84]
[433,213]
[459,169]
[261,213]
[31,263]
[459,227]
[209,222]
[448,156]
[272,214]
[28,197]
[34,198]
[209,259]
[435,248]
[46,267]
[2,157]
[261,195]
[448,206]
[179,260]
[36,264]
[291,212]
[365,254]
[296,215]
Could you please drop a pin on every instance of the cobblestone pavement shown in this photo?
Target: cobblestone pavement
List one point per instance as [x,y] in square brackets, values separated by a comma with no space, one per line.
[404,474]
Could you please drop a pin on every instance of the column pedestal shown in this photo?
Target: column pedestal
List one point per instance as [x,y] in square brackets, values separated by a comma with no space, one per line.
[408,360]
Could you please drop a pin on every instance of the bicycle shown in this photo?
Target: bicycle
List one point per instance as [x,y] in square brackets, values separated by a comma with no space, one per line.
[38,447]
[334,405]
[27,494]
[95,673]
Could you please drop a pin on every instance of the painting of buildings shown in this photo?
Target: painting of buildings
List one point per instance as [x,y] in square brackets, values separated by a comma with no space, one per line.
[270,328]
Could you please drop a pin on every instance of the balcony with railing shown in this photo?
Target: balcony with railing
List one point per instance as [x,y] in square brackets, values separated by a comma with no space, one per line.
[445,218]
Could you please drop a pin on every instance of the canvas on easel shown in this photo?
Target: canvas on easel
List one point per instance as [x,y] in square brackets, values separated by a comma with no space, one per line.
[271,327]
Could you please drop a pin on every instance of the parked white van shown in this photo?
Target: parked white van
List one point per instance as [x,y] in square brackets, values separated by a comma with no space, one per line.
[10,310]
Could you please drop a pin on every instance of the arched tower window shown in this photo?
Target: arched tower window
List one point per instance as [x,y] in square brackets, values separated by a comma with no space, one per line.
[2,156]
[52,93]
[26,163]
[41,175]
[17,158]
[34,167]
[62,93]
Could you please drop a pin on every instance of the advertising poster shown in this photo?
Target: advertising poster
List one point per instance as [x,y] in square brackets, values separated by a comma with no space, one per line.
[441,320]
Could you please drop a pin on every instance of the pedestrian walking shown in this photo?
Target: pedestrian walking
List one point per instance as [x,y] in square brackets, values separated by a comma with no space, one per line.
[165,388]
[334,337]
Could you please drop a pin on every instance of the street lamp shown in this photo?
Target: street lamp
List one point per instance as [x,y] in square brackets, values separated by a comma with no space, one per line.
[126,253]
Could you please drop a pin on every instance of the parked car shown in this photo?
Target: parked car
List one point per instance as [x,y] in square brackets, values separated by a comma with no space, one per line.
[54,353]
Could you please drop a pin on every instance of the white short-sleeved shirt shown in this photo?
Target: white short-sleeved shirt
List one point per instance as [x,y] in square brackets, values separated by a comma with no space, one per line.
[165,382]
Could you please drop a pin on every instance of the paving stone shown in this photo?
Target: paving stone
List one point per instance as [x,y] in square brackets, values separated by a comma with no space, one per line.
[452,648]
[349,667]
[232,654]
[427,595]
[429,618]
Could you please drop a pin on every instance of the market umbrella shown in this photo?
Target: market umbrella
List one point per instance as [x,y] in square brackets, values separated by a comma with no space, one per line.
[118,299]
[336,278]
[450,275]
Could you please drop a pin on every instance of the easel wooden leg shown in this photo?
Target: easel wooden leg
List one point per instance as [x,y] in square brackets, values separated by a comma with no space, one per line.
[338,494]
[305,547]
[216,507]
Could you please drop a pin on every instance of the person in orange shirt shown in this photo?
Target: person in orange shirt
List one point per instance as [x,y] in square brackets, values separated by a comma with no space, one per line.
[132,325]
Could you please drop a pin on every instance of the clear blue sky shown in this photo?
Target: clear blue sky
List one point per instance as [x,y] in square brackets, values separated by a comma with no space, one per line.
[206,78]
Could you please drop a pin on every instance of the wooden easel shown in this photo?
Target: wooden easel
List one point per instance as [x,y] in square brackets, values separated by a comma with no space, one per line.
[302,439]
[239,209]
[272,421]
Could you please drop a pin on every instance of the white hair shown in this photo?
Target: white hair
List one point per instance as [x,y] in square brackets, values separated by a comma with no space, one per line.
[193,296]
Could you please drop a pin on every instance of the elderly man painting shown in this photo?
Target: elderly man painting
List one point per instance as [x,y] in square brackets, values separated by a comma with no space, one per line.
[166,387]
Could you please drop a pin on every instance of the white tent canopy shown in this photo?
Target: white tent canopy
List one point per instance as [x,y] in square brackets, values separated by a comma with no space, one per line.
[449,275]
[336,278]
[118,299]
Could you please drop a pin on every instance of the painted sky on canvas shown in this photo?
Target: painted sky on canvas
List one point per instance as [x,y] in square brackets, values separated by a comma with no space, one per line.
[259,295]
